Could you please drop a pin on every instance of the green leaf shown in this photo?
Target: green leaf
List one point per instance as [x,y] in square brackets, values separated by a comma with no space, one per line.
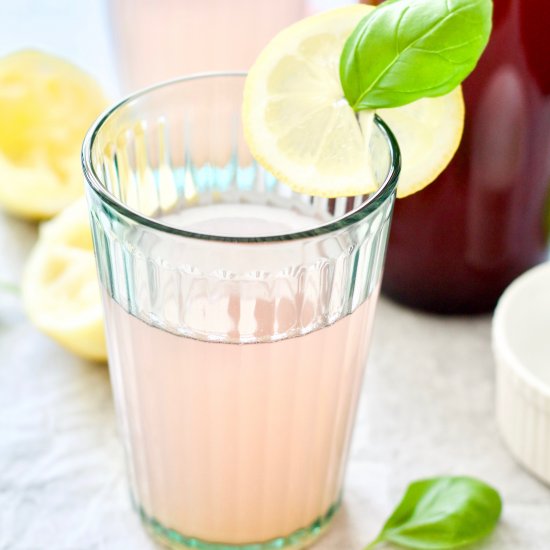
[442,513]
[405,50]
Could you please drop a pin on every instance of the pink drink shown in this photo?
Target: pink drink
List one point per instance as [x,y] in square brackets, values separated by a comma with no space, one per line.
[238,442]
[161,39]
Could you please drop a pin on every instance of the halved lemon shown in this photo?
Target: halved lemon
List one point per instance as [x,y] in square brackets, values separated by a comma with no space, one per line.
[46,106]
[60,286]
[300,127]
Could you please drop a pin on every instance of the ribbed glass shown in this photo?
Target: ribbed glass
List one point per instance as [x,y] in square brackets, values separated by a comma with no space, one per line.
[238,316]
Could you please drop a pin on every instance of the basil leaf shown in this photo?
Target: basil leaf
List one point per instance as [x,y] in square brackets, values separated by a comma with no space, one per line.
[442,513]
[405,50]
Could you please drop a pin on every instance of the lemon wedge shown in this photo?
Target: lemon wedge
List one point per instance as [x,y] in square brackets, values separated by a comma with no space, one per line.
[60,286]
[300,127]
[46,106]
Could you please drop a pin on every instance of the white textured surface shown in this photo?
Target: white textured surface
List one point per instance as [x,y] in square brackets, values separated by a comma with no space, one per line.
[428,407]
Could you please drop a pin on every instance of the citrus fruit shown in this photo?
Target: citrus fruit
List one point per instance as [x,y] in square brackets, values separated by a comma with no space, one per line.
[428,132]
[46,106]
[60,286]
[300,127]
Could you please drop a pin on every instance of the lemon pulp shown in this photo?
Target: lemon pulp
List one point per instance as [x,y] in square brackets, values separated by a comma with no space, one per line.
[60,286]
[46,106]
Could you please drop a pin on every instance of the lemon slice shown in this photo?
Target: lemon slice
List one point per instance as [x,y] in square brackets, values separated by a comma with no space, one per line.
[300,127]
[60,286]
[428,132]
[46,106]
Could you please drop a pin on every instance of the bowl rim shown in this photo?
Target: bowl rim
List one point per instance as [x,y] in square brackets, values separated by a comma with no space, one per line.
[501,344]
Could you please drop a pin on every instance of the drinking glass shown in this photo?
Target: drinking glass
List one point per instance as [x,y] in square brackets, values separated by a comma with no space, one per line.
[238,316]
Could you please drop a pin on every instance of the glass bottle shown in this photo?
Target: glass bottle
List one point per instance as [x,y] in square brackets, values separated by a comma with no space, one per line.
[455,246]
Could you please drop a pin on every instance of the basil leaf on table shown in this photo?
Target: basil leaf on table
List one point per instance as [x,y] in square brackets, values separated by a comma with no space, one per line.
[442,513]
[405,50]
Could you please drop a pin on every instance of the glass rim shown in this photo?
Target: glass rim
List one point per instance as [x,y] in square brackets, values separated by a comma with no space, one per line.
[93,181]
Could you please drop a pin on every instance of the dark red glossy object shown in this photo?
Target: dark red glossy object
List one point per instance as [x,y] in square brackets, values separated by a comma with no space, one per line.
[455,246]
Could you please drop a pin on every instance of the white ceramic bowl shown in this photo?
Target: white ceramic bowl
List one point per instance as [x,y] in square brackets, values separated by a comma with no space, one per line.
[521,344]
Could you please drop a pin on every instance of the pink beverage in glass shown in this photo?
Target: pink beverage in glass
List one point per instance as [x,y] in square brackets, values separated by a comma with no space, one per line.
[155,40]
[239,442]
[238,318]
[456,245]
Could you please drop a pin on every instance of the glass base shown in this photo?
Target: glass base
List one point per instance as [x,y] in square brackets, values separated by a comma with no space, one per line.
[302,538]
